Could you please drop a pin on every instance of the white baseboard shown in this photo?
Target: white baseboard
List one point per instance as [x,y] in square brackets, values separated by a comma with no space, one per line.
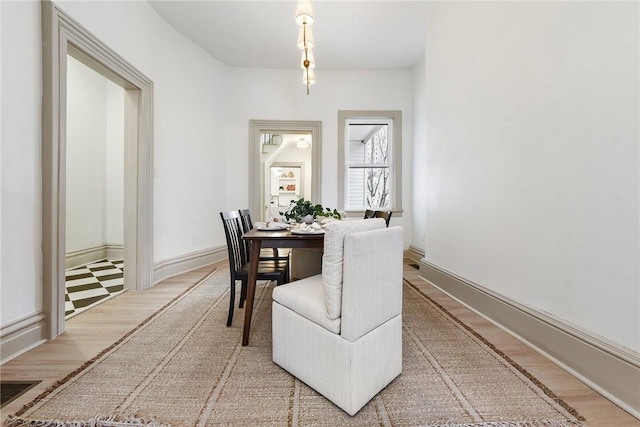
[84,256]
[611,370]
[115,251]
[181,264]
[21,336]
[414,253]
[96,253]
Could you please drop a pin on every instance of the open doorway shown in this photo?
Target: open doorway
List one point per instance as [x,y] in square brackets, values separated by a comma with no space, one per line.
[287,163]
[94,237]
[284,144]
[61,36]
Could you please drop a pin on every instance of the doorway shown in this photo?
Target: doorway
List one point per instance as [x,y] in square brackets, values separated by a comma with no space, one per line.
[94,237]
[283,143]
[287,164]
[62,36]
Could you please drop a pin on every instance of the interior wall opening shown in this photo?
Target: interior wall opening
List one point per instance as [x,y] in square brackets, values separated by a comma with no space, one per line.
[94,230]
[288,144]
[288,169]
[61,35]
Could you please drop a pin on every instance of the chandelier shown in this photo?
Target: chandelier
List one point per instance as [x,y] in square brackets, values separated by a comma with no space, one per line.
[304,18]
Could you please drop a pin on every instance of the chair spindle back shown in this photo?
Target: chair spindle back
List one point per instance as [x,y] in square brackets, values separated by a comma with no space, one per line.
[233,232]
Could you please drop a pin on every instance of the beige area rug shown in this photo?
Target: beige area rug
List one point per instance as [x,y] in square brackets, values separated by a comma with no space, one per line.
[184,367]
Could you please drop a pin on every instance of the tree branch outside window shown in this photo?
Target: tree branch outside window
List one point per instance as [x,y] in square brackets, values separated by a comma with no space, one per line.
[377,178]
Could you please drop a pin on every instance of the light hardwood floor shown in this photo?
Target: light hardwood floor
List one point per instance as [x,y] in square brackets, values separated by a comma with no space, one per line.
[92,331]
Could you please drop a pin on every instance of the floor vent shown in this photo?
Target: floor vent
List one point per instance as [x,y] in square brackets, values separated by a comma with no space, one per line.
[10,390]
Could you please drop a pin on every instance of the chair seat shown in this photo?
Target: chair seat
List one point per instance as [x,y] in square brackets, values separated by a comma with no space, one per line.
[306,297]
[265,269]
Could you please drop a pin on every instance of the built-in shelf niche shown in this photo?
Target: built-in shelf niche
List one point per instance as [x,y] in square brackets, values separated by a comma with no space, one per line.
[285,184]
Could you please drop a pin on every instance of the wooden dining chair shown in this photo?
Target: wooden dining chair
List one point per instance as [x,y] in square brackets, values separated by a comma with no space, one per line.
[368,214]
[386,215]
[239,261]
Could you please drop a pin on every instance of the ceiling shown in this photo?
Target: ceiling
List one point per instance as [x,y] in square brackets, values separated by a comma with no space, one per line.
[349,35]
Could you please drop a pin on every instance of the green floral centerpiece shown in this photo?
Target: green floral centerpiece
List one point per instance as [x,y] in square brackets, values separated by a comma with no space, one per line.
[302,210]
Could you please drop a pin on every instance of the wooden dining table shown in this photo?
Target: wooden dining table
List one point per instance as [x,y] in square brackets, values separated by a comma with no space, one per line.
[270,239]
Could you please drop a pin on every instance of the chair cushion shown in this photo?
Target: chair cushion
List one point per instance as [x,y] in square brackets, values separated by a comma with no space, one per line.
[267,270]
[306,297]
[332,259]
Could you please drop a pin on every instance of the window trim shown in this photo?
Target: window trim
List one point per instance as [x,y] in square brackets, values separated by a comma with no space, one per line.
[345,116]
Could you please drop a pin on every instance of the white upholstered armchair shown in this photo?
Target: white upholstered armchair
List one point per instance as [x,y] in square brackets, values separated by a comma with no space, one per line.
[340,332]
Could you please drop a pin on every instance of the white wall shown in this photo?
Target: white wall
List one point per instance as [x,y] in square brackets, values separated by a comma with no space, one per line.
[21,177]
[95,159]
[532,156]
[86,157]
[334,90]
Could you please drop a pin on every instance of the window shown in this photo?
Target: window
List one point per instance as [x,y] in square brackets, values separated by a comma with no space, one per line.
[369,157]
[368,163]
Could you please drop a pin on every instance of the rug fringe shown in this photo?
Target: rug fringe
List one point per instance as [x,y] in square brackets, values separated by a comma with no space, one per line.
[98,421]
[533,423]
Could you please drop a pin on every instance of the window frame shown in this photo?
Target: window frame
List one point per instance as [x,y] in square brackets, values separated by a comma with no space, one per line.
[349,116]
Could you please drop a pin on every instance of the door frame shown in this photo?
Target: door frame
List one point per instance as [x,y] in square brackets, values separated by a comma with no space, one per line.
[61,35]
[256,166]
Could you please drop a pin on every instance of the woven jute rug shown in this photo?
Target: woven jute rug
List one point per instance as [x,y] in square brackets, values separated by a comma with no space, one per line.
[184,367]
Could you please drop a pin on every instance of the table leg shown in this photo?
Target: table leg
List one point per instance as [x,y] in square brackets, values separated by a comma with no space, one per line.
[251,288]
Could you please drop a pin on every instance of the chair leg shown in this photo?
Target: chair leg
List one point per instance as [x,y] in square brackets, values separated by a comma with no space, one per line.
[287,274]
[243,294]
[232,297]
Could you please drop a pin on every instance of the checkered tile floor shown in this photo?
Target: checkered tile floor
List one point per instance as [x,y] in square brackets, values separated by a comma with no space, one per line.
[91,284]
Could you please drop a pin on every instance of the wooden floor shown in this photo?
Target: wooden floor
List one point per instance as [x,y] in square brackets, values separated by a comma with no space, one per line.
[92,331]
